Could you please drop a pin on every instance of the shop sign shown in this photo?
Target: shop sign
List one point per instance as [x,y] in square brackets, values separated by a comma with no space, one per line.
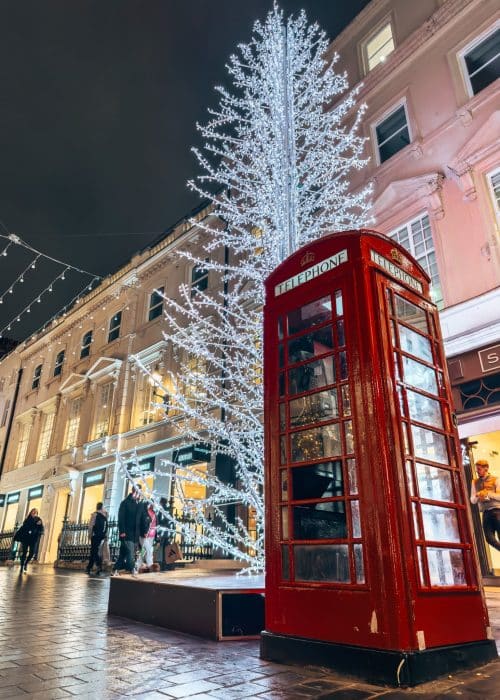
[94,478]
[311,272]
[192,453]
[490,358]
[144,465]
[35,492]
[2,500]
[396,271]
[13,497]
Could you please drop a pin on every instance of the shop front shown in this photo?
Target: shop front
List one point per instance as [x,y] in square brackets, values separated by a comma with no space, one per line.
[475,380]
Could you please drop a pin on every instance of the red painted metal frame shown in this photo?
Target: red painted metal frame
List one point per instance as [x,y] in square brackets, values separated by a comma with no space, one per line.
[393,609]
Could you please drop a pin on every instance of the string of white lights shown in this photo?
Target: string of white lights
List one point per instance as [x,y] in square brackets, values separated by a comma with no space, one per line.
[76,300]
[13,240]
[20,278]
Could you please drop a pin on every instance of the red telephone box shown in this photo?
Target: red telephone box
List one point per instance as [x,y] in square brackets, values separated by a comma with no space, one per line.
[370,563]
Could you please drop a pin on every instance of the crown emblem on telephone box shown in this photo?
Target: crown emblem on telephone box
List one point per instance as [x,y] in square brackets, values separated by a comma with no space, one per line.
[307,258]
[396,256]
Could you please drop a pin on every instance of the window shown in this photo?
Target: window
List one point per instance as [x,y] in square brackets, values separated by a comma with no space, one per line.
[5,413]
[153,400]
[416,237]
[494,182]
[378,47]
[73,423]
[114,327]
[59,363]
[92,493]
[481,61]
[36,377]
[86,343]
[392,133]
[45,435]
[156,303]
[199,279]
[10,517]
[22,445]
[103,414]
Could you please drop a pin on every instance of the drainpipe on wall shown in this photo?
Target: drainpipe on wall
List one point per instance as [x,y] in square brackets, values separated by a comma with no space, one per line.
[11,420]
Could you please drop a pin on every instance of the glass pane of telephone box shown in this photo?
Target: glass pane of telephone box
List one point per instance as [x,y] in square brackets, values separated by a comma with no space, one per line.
[313,375]
[429,445]
[358,563]
[424,409]
[311,314]
[446,566]
[320,521]
[410,313]
[310,345]
[317,481]
[434,483]
[327,562]
[415,344]
[419,375]
[314,408]
[315,443]
[440,524]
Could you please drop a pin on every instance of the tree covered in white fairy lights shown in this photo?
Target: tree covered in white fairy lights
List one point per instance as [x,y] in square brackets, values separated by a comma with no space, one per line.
[279,151]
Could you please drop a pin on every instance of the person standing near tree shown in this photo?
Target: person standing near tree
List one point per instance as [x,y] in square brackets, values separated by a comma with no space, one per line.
[28,535]
[485,491]
[147,534]
[98,528]
[128,530]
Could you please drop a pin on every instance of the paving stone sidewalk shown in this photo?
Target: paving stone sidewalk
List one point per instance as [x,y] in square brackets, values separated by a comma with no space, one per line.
[56,641]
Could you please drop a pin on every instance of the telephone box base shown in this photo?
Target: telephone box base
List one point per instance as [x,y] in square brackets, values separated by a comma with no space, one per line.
[379,666]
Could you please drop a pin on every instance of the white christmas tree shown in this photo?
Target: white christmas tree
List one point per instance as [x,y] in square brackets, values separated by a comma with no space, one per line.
[279,151]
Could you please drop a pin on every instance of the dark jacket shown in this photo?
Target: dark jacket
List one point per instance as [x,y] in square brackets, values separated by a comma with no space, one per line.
[127,518]
[30,531]
[98,525]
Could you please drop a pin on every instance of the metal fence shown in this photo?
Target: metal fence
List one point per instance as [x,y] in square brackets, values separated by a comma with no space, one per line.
[74,541]
[6,545]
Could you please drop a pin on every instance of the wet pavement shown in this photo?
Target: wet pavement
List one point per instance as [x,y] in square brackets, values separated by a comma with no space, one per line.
[56,641]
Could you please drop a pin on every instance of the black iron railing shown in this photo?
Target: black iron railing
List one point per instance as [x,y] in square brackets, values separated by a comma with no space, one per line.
[74,541]
[7,545]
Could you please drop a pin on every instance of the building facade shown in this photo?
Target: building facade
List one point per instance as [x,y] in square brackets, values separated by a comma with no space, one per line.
[429,73]
[71,397]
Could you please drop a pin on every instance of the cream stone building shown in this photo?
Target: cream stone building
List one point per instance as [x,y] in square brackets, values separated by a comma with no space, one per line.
[70,398]
[429,73]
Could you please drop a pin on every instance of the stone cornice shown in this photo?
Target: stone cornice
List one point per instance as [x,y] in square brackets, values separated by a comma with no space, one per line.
[402,193]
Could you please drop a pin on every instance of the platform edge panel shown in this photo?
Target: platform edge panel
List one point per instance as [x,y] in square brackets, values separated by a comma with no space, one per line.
[178,608]
[378,666]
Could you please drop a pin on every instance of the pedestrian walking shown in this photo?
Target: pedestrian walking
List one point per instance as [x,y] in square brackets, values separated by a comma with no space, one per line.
[147,535]
[98,528]
[28,536]
[128,531]
[162,533]
[485,490]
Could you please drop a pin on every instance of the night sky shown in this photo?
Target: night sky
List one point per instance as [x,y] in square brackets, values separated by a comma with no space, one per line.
[98,106]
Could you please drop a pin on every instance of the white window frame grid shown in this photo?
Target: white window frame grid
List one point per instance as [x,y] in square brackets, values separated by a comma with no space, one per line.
[22,445]
[364,44]
[73,422]
[422,259]
[45,435]
[152,307]
[111,328]
[59,364]
[495,198]
[86,346]
[194,283]
[35,382]
[394,108]
[472,45]
[103,413]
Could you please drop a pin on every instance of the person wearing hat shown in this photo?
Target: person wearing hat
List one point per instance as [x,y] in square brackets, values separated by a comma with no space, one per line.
[485,491]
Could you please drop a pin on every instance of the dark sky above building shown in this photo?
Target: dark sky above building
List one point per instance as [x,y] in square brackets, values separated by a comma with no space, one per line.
[99,102]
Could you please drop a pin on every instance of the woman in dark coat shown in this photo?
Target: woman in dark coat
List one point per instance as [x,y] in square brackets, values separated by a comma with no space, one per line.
[28,535]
